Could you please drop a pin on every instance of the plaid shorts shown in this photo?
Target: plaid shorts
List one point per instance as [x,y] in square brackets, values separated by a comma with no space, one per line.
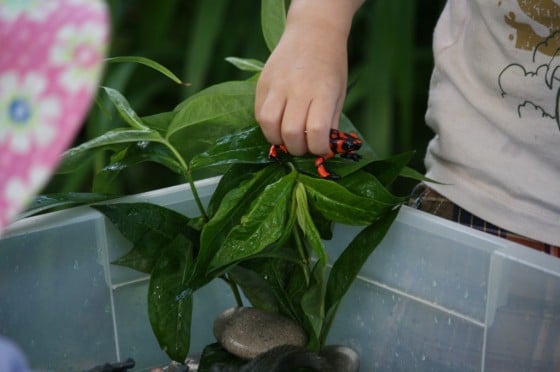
[428,200]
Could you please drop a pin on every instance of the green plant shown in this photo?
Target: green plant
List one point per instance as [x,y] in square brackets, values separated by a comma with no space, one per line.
[264,227]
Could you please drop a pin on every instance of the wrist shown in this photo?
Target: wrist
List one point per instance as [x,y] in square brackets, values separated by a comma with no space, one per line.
[328,15]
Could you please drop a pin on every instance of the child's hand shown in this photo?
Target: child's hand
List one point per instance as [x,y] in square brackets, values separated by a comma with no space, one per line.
[303,85]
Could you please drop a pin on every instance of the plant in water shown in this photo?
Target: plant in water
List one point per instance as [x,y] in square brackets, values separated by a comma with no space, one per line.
[263,229]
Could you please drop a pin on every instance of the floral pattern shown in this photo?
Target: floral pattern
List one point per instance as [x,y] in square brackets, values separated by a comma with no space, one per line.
[37,10]
[51,61]
[77,48]
[29,116]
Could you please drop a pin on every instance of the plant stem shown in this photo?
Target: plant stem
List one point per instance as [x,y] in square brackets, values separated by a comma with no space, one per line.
[197,200]
[234,290]
[185,170]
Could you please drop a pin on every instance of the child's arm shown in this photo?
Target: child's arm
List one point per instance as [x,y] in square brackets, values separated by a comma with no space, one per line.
[303,85]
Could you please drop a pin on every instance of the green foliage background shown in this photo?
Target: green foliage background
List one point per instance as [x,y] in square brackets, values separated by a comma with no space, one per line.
[389,56]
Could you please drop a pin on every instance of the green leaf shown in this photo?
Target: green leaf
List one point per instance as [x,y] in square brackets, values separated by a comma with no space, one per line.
[210,114]
[147,62]
[307,225]
[246,64]
[218,103]
[132,155]
[159,122]
[263,225]
[43,203]
[113,140]
[350,262]
[340,205]
[150,228]
[123,108]
[273,21]
[233,177]
[233,206]
[313,306]
[388,169]
[248,146]
[255,287]
[367,185]
[415,175]
[170,302]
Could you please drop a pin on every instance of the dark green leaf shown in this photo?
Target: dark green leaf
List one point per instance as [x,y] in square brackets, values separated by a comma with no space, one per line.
[415,175]
[350,262]
[307,225]
[137,153]
[365,184]
[263,225]
[150,228]
[233,206]
[44,203]
[114,140]
[388,169]
[340,205]
[230,180]
[170,301]
[313,306]
[255,287]
[247,146]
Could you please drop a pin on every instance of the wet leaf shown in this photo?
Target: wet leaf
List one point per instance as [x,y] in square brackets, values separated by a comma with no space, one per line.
[135,154]
[247,146]
[350,262]
[114,140]
[150,228]
[233,177]
[263,224]
[43,203]
[307,224]
[220,109]
[313,306]
[340,205]
[170,301]
[255,287]
[233,206]
[388,169]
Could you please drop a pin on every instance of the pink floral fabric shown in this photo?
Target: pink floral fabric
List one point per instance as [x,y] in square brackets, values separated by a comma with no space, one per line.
[51,56]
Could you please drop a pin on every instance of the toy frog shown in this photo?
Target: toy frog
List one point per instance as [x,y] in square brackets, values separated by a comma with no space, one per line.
[341,143]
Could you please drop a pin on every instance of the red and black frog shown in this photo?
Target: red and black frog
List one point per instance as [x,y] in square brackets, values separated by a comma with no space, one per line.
[341,143]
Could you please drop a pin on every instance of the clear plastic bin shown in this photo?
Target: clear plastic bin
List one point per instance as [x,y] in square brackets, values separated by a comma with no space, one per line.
[434,296]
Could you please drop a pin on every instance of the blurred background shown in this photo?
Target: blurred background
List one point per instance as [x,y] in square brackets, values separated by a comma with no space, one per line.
[390,62]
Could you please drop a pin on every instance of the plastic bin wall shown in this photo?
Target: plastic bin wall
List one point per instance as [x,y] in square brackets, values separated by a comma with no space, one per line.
[434,296]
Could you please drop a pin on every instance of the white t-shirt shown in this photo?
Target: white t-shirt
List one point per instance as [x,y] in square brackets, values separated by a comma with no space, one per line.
[495,108]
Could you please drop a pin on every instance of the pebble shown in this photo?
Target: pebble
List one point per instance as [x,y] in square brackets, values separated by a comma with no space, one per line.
[247,332]
[341,358]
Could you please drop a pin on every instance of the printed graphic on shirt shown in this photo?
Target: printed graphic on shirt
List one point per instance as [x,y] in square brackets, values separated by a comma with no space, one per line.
[535,29]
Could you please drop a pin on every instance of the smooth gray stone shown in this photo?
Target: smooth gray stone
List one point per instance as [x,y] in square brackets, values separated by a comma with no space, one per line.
[247,332]
[341,358]
[291,358]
